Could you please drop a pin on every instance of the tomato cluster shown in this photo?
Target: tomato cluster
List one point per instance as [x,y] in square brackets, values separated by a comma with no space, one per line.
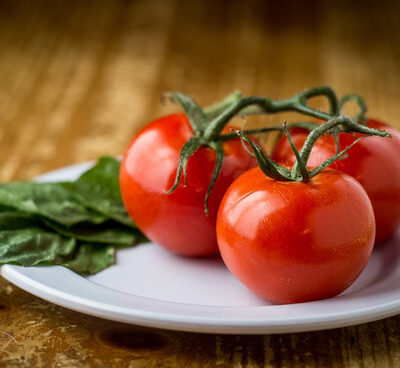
[289,236]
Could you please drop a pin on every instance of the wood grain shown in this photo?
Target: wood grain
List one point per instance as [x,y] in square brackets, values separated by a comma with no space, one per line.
[77,79]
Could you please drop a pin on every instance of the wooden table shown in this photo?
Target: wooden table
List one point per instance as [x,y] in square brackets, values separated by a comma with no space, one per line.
[77,79]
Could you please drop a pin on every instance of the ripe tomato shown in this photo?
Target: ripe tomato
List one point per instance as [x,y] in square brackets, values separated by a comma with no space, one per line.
[374,162]
[177,221]
[293,242]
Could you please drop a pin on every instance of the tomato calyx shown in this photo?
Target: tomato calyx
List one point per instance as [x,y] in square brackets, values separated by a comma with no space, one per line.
[360,117]
[300,171]
[207,132]
[207,126]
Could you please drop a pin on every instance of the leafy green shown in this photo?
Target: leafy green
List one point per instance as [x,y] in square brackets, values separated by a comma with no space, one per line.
[17,220]
[26,245]
[108,233]
[98,189]
[78,225]
[104,175]
[33,245]
[50,200]
[91,259]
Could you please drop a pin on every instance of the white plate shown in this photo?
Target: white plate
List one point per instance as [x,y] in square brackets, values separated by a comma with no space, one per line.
[149,286]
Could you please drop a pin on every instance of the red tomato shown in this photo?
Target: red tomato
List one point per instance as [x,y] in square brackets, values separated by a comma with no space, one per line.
[177,221]
[374,162]
[292,242]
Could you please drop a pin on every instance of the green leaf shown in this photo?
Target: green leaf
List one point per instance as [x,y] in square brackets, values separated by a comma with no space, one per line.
[109,232]
[104,174]
[31,246]
[26,245]
[98,189]
[11,220]
[78,225]
[91,259]
[50,200]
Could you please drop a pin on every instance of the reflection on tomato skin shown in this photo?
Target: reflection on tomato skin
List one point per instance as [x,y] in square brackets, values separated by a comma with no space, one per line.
[177,221]
[293,242]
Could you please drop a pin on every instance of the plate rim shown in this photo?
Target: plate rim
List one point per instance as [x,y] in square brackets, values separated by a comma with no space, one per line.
[184,322]
[179,322]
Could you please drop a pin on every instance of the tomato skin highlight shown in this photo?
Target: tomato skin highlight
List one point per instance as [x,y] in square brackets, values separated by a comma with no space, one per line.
[374,162]
[177,221]
[292,242]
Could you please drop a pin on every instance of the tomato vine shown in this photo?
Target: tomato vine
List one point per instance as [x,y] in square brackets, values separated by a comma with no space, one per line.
[207,126]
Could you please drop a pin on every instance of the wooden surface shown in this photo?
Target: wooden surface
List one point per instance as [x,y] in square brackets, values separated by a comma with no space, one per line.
[77,79]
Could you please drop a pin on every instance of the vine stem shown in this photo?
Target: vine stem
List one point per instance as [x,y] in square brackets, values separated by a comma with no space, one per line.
[215,109]
[274,128]
[361,105]
[207,126]
[299,171]
[296,103]
[348,125]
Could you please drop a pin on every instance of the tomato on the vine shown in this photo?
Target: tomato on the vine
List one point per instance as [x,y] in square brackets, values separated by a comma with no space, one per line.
[177,221]
[291,241]
[374,162]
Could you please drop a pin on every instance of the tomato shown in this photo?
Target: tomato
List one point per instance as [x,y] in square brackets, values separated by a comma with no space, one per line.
[177,221]
[292,242]
[374,162]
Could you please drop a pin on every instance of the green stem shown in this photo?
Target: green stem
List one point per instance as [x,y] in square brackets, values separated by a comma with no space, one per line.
[299,171]
[216,109]
[303,169]
[348,125]
[295,103]
[267,166]
[274,128]
[361,104]
[336,157]
[326,91]
[216,125]
[208,125]
[310,112]
[196,116]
